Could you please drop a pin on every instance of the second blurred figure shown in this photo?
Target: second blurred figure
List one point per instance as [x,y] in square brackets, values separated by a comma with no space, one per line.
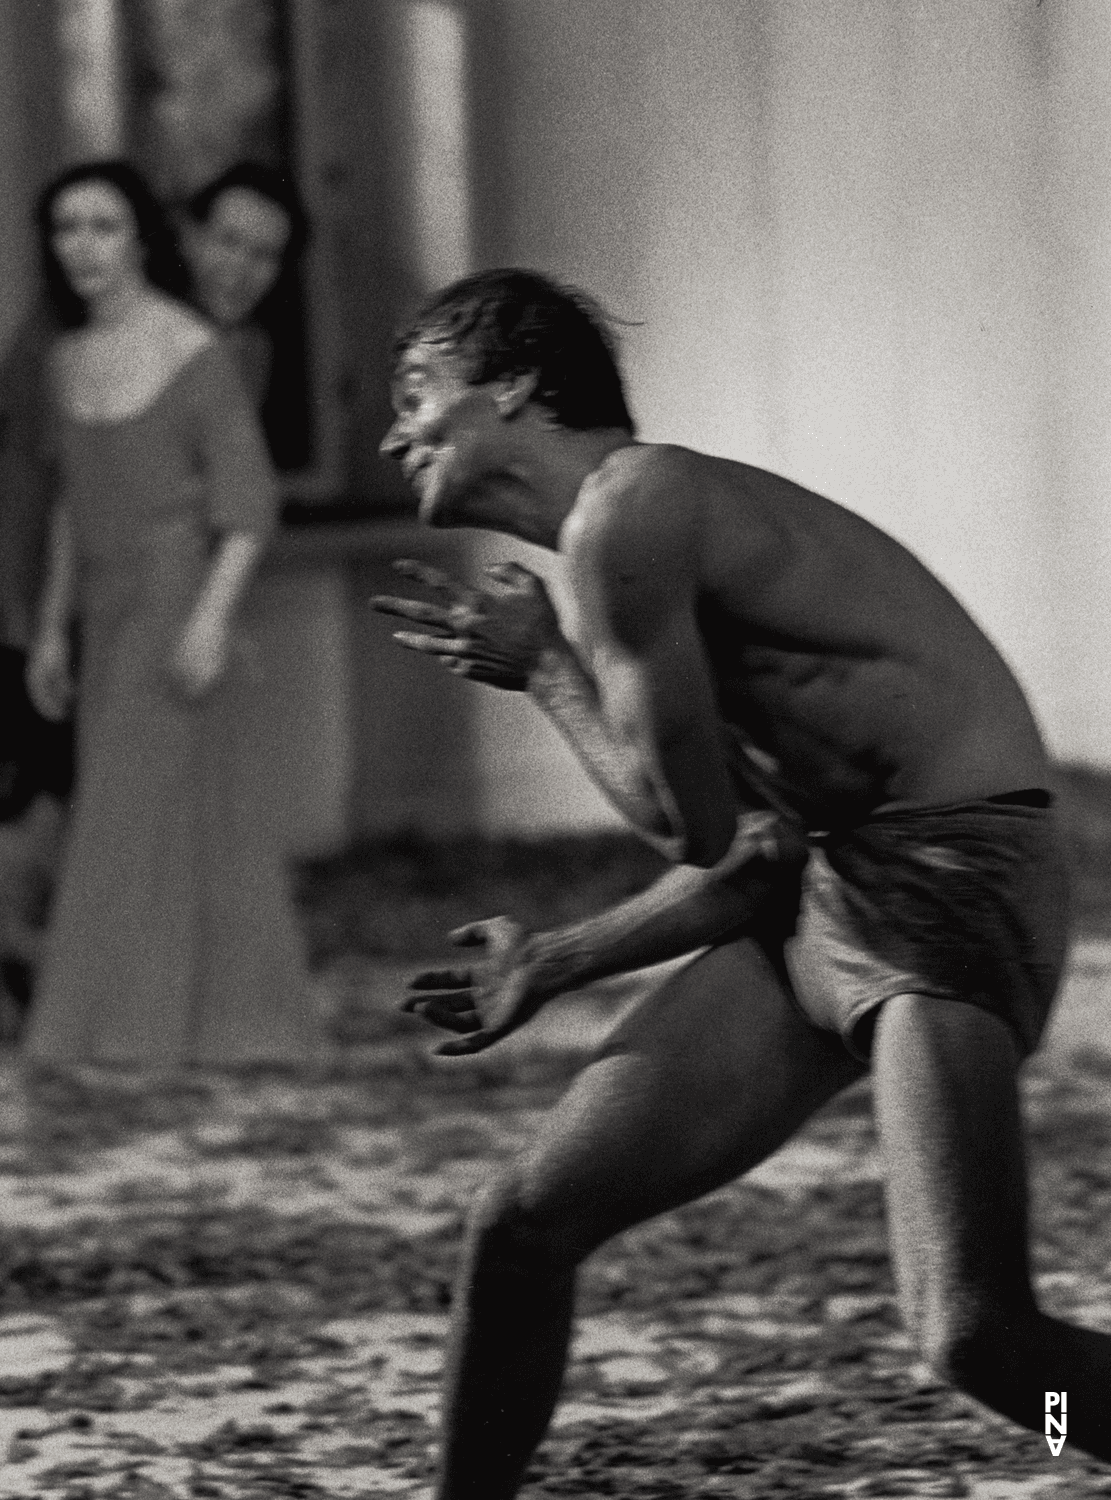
[243,238]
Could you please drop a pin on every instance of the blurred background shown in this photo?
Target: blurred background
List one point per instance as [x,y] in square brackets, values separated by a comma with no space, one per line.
[865,246]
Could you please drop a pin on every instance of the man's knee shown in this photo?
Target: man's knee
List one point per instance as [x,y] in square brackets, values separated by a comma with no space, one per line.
[515,1231]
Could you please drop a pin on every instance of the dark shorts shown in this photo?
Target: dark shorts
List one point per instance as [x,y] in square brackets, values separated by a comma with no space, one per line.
[966,903]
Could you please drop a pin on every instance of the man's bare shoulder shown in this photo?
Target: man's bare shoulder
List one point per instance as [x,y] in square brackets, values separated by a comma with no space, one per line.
[643,471]
[667,508]
[630,546]
[640,495]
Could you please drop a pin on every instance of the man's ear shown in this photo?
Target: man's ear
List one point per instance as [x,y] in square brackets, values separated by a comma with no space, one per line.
[513,392]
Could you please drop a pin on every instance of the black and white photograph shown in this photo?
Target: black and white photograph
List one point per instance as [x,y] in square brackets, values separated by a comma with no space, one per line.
[555,749]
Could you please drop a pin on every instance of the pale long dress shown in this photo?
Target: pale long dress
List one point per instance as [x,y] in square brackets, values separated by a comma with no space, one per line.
[173,938]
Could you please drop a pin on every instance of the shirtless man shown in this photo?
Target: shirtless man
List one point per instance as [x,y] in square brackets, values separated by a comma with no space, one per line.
[851,789]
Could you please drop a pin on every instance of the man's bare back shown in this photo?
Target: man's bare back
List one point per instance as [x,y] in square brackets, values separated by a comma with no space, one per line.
[853,673]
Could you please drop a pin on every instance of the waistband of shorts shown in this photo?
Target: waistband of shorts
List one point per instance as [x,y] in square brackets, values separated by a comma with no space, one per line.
[1013,806]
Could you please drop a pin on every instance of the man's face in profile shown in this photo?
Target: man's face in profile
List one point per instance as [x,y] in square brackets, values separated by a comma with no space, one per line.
[444,430]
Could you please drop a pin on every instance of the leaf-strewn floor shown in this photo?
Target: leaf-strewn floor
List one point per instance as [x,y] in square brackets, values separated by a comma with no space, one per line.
[237,1286]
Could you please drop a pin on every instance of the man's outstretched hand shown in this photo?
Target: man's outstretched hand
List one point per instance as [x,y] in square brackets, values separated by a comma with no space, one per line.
[493,635]
[484,1004]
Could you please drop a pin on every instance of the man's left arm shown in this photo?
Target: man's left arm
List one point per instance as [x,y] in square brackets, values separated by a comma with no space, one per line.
[687,908]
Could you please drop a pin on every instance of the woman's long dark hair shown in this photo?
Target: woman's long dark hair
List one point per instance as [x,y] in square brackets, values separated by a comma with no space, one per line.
[280,314]
[162,262]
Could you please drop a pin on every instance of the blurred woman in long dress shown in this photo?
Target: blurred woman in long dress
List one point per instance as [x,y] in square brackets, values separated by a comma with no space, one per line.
[172,937]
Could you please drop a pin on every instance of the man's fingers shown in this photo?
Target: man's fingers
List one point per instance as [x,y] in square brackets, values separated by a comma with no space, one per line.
[449,1012]
[511,574]
[458,1000]
[412,609]
[432,645]
[425,573]
[436,579]
[442,979]
[463,1046]
[458,655]
[474,935]
[462,1022]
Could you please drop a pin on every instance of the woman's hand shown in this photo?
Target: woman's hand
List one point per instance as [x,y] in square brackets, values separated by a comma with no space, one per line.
[486,1004]
[49,675]
[493,635]
[200,657]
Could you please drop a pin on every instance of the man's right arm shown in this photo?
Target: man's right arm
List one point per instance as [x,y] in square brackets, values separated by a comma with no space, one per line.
[633,558]
[565,692]
[508,635]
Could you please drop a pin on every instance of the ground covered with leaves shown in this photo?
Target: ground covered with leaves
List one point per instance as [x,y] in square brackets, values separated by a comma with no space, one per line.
[237,1286]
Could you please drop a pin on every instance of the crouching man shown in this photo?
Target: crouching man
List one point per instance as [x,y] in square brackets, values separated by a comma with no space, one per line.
[852,792]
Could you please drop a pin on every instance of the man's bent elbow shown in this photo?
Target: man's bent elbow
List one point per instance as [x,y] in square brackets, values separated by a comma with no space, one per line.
[703,848]
[681,844]
[660,836]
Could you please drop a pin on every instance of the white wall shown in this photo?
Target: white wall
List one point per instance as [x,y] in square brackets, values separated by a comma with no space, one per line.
[863,245]
[1078,493]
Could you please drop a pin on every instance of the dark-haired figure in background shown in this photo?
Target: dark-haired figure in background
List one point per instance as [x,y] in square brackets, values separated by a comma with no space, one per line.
[172,939]
[867,873]
[36,755]
[36,776]
[243,236]
[26,476]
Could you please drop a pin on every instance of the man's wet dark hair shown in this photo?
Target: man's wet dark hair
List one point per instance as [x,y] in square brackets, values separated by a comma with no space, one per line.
[162,262]
[510,322]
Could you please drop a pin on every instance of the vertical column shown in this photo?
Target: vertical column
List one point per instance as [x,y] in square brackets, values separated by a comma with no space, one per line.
[559,148]
[409,230]
[396,166]
[92,97]
[437,141]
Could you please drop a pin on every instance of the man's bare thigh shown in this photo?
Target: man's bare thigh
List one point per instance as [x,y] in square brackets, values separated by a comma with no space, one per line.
[701,1080]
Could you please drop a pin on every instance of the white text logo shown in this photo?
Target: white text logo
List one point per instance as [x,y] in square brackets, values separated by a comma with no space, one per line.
[1056,1401]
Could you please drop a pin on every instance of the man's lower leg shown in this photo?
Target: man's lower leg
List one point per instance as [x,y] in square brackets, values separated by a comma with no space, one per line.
[505,1368]
[1016,1358]
[948,1110]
